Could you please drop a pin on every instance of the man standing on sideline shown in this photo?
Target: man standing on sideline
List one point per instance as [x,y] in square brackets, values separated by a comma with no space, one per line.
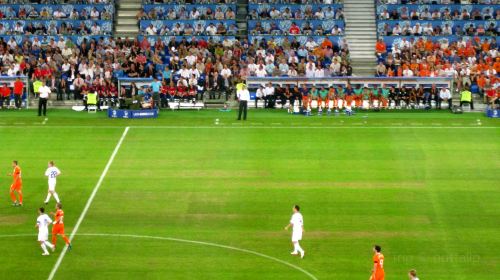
[297,224]
[155,86]
[243,97]
[44,92]
[18,93]
[52,173]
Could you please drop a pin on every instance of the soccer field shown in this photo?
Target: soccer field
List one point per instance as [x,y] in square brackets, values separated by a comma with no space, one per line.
[198,195]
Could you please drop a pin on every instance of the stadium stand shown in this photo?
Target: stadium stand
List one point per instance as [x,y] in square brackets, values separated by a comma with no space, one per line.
[457,39]
[200,50]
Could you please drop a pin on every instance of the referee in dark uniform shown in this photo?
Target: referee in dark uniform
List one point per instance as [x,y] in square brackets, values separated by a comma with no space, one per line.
[243,97]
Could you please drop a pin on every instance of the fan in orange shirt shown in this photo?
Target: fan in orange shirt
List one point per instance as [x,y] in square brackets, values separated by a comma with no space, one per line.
[58,227]
[17,185]
[380,47]
[378,264]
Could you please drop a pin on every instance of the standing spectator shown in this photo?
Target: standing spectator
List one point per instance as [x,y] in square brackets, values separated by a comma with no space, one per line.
[18,93]
[42,100]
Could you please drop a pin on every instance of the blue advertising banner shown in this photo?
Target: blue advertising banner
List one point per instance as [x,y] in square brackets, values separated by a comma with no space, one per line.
[132,114]
[11,10]
[167,39]
[284,25]
[44,39]
[292,7]
[159,24]
[302,39]
[183,10]
[484,9]
[453,24]
[390,40]
[492,112]
[51,26]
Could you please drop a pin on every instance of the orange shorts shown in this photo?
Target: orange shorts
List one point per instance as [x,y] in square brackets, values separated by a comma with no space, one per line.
[58,229]
[16,186]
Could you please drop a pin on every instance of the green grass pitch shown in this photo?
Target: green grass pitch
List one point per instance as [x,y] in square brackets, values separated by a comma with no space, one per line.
[189,197]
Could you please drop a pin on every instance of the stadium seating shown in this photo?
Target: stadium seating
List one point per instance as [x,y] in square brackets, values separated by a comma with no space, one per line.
[439,39]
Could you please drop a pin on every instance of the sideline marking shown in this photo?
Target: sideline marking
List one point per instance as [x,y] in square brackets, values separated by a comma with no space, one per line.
[89,202]
[224,126]
[310,275]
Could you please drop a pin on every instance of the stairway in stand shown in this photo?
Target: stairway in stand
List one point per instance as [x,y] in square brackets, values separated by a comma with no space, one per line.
[361,35]
[126,25]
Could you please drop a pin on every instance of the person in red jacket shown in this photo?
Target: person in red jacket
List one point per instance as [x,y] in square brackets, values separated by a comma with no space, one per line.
[5,95]
[18,93]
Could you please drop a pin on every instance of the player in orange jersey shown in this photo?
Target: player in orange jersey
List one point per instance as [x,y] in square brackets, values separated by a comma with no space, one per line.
[17,185]
[378,264]
[58,227]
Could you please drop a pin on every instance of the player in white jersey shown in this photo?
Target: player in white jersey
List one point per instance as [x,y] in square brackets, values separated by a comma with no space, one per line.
[52,172]
[297,224]
[42,223]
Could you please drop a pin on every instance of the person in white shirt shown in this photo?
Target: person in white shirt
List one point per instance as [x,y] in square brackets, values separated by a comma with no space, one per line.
[211,29]
[151,30]
[268,94]
[412,274]
[44,92]
[52,173]
[444,95]
[259,95]
[95,29]
[297,224]
[42,223]
[243,97]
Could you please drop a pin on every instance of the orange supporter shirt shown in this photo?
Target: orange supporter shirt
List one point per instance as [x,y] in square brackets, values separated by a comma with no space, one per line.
[481,81]
[16,175]
[58,217]
[326,43]
[380,47]
[429,46]
[496,66]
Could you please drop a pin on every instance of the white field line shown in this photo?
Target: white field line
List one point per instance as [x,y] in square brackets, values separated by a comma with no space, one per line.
[203,243]
[223,126]
[89,202]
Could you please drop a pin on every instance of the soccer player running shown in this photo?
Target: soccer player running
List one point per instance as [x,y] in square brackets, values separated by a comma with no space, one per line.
[297,224]
[42,223]
[378,264]
[58,228]
[17,185]
[52,172]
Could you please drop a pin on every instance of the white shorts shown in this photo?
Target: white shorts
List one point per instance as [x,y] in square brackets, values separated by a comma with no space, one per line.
[296,236]
[43,235]
[52,186]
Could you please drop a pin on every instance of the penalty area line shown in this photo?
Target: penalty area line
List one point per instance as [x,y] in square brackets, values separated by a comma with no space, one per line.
[89,202]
